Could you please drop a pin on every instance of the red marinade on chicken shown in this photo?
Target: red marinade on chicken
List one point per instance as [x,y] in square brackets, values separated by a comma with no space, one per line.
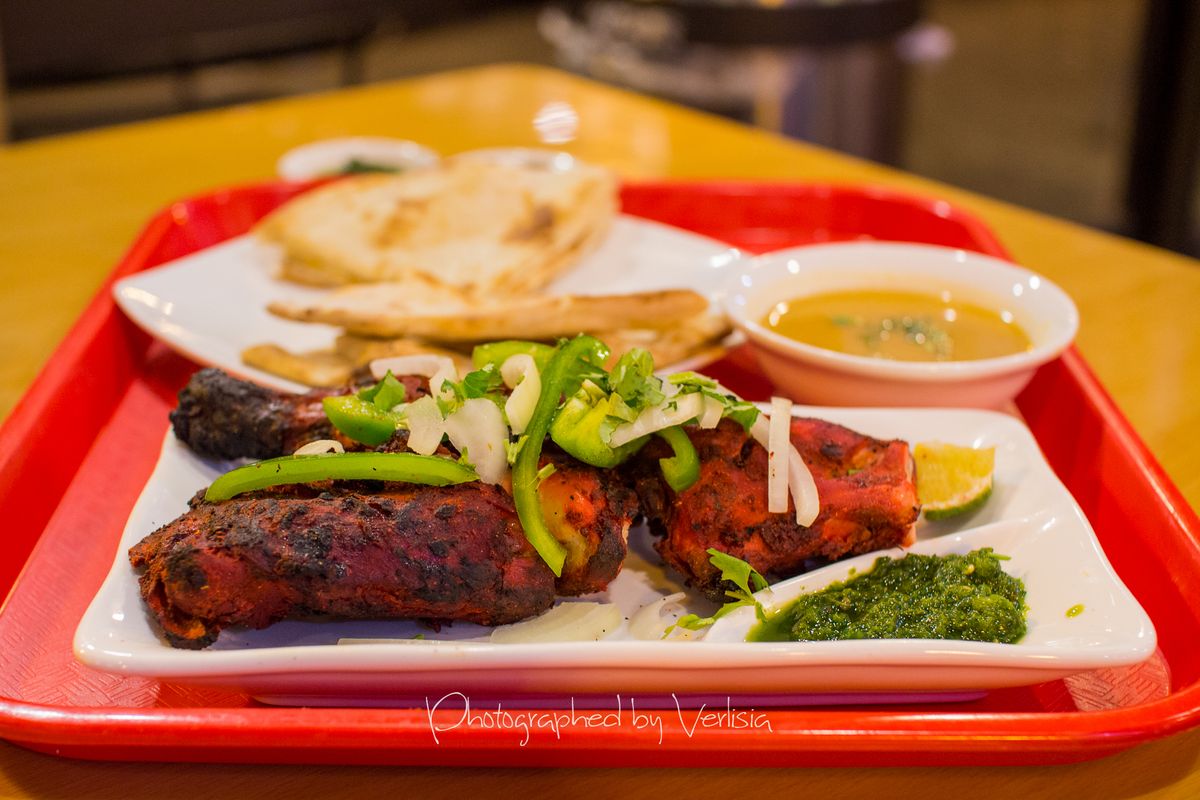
[364,548]
[404,551]
[865,485]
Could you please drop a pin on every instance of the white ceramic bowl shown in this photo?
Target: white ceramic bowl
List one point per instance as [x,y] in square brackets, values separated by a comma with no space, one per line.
[819,376]
[328,156]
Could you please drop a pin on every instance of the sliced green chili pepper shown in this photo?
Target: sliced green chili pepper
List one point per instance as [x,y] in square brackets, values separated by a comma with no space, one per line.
[496,353]
[577,428]
[360,419]
[400,467]
[682,469]
[581,354]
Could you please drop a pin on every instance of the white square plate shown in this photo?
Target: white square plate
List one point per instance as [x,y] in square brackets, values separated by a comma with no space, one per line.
[1030,517]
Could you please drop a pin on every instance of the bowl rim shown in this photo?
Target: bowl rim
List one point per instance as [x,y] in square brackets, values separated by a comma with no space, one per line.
[309,160]
[1061,334]
[543,158]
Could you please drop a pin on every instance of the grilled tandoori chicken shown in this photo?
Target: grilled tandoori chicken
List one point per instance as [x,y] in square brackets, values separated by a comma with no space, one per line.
[868,501]
[349,550]
[373,549]
[361,549]
[220,416]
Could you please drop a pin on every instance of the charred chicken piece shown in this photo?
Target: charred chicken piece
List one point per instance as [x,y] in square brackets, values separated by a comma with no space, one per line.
[868,502]
[415,552]
[589,511]
[223,417]
[348,549]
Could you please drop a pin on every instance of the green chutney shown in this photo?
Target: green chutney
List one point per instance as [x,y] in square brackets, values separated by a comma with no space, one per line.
[969,598]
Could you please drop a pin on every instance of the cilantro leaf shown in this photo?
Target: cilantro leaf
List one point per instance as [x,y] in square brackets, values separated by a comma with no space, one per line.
[738,572]
[545,472]
[513,448]
[740,411]
[747,580]
[694,622]
[385,395]
[633,380]
[693,380]
[482,382]
[588,366]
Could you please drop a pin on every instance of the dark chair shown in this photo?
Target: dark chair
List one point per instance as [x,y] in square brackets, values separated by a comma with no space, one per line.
[54,42]
[1161,189]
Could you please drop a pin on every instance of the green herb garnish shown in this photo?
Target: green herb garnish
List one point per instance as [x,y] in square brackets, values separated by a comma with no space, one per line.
[743,576]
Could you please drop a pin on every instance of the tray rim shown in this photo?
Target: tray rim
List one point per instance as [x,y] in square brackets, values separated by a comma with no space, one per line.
[173,733]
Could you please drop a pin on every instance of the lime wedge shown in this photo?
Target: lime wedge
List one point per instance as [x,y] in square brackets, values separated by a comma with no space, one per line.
[952,480]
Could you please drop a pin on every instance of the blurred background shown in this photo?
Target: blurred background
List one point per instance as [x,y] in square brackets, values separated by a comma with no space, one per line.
[1085,109]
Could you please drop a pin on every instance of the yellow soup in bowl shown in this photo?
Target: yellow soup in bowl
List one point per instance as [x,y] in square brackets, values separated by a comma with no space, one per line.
[899,325]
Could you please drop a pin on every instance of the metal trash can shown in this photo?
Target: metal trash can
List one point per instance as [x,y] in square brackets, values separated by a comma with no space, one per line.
[827,71]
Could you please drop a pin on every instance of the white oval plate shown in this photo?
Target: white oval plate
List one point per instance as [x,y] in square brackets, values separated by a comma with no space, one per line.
[1030,517]
[212,305]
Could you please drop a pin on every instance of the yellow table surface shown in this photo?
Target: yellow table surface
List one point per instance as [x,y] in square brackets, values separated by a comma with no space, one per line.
[69,206]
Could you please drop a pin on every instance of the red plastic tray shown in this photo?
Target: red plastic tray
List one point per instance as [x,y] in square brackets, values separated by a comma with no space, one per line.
[77,450]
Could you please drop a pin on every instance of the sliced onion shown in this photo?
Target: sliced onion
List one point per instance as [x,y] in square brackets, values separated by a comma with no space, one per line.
[675,411]
[713,409]
[320,446]
[800,481]
[758,431]
[478,429]
[650,622]
[449,372]
[778,444]
[520,374]
[423,364]
[803,488]
[425,425]
[566,622]
[438,369]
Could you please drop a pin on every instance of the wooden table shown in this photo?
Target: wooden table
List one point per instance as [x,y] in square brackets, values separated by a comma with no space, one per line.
[70,205]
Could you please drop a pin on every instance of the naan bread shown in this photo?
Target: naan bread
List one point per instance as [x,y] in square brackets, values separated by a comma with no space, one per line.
[314,368]
[337,366]
[697,337]
[443,258]
[403,309]
[701,336]
[482,228]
